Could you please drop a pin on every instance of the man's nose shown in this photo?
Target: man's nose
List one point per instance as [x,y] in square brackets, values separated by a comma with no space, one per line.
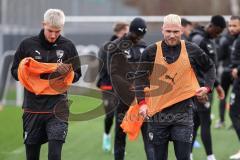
[172,34]
[53,35]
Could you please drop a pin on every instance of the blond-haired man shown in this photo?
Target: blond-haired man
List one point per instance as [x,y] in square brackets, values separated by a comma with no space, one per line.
[171,71]
[40,124]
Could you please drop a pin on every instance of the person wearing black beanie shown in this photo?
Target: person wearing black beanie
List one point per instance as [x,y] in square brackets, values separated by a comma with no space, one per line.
[124,56]
[137,29]
[138,26]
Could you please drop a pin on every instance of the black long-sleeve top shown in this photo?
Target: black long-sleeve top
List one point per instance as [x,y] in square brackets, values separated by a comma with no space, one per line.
[37,47]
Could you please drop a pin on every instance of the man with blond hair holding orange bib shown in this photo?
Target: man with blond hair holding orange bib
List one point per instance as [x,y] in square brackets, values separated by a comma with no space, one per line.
[46,112]
[170,70]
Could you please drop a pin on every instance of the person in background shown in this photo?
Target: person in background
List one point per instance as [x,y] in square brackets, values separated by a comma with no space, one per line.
[187,28]
[235,95]
[225,43]
[203,37]
[104,83]
[122,68]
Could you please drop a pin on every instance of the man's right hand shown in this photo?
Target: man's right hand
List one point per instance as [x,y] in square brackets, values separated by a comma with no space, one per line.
[64,68]
[143,110]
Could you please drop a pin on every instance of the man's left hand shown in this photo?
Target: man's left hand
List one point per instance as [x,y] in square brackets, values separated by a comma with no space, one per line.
[220,92]
[201,94]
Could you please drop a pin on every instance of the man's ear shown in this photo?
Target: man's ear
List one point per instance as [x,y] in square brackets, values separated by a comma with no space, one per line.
[181,30]
[210,25]
[161,29]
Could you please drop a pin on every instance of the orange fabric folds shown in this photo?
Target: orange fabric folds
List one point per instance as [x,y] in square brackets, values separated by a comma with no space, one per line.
[170,83]
[29,72]
[132,122]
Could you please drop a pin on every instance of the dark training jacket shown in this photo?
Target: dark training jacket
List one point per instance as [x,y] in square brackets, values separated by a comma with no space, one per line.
[200,37]
[37,47]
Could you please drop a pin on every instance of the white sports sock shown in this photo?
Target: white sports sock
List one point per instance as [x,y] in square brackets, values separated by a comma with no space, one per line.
[191,156]
[211,157]
[106,135]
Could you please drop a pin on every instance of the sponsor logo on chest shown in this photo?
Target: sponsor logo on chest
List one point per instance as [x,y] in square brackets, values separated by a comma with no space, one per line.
[37,55]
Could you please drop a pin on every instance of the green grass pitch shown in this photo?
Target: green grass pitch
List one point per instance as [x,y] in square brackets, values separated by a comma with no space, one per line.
[84,137]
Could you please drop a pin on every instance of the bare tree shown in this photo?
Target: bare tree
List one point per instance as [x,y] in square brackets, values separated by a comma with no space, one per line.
[182,7]
[234,5]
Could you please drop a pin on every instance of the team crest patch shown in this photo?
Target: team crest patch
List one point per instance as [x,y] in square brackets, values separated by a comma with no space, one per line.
[59,53]
[150,135]
[25,135]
